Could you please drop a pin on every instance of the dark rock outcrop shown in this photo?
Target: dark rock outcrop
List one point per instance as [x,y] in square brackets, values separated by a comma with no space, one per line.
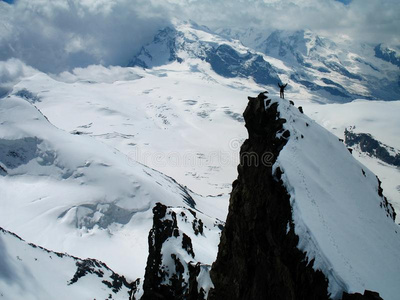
[92,266]
[160,282]
[388,207]
[387,54]
[227,62]
[368,295]
[258,256]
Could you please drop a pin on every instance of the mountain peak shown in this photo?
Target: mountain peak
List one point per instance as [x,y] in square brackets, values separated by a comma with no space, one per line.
[188,42]
[303,207]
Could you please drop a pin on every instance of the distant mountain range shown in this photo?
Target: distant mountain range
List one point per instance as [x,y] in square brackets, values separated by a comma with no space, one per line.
[227,58]
[334,71]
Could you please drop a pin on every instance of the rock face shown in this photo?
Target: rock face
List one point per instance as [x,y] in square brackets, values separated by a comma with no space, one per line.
[387,54]
[368,295]
[173,270]
[258,257]
[156,285]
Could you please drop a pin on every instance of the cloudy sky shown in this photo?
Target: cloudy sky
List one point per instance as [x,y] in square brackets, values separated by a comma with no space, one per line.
[54,35]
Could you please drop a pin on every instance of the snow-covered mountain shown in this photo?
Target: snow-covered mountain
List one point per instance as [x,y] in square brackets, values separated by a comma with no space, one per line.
[133,166]
[327,71]
[309,195]
[339,71]
[32,272]
[188,41]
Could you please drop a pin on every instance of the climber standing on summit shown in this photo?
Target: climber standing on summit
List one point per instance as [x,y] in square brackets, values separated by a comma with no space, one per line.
[282,92]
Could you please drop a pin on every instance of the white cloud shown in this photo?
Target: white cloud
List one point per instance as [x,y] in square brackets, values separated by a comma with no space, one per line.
[53,35]
[363,20]
[12,71]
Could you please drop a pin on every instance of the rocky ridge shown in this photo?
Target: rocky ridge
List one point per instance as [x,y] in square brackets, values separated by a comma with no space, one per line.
[259,255]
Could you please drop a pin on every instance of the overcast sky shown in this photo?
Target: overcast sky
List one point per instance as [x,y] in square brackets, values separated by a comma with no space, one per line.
[53,35]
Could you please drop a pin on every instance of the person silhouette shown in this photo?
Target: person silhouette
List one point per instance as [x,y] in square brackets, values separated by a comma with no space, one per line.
[282,91]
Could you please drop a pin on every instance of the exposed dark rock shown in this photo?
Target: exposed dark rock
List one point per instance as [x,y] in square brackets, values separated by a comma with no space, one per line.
[368,295]
[227,62]
[372,147]
[3,170]
[177,281]
[387,55]
[92,266]
[193,294]
[258,258]
[286,134]
[301,109]
[154,274]
[77,132]
[160,282]
[291,102]
[118,281]
[234,184]
[350,150]
[198,226]
[187,244]
[333,89]
[84,267]
[192,212]
[27,95]
[390,212]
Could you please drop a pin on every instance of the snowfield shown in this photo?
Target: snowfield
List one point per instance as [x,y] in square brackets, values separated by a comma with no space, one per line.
[74,194]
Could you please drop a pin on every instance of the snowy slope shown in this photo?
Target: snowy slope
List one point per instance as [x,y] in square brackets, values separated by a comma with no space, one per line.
[71,193]
[163,121]
[378,118]
[163,118]
[342,221]
[31,272]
